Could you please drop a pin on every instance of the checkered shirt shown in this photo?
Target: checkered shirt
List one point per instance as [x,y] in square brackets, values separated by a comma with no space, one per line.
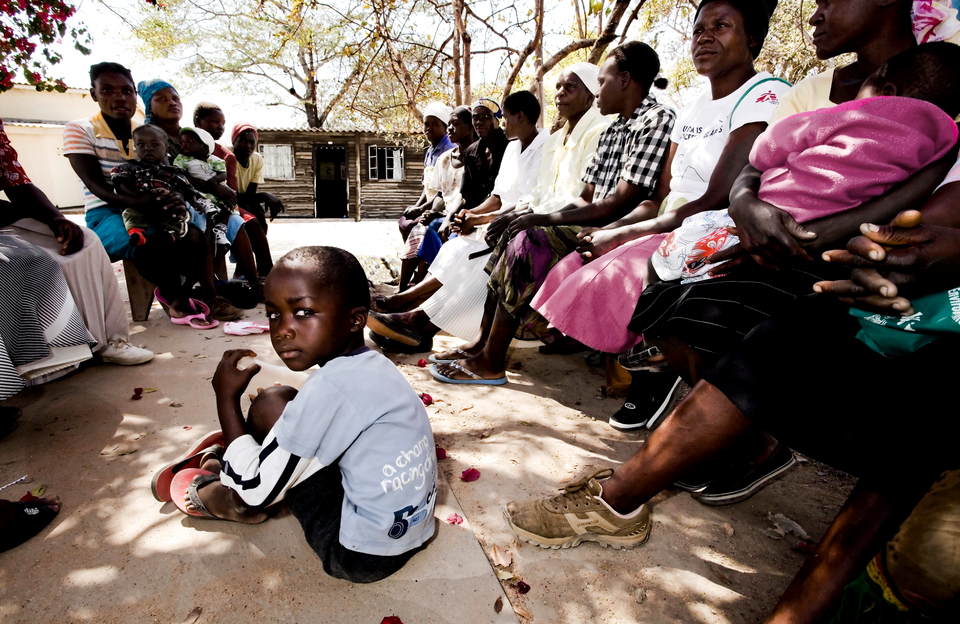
[632,149]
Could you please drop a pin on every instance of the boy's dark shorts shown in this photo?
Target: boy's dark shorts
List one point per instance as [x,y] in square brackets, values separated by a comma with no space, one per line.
[317,503]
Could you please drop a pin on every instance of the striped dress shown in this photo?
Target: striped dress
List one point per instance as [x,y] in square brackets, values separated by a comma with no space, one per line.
[40,324]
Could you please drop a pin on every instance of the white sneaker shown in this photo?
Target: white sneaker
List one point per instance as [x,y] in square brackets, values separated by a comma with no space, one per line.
[120,351]
[220,235]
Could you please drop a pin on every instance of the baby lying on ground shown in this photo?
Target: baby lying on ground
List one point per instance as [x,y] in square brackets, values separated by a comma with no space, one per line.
[352,452]
[827,161]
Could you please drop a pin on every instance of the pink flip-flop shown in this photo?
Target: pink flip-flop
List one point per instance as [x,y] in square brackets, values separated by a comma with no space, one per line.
[185,486]
[203,313]
[160,485]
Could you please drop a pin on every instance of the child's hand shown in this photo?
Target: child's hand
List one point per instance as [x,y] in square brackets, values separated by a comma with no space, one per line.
[229,382]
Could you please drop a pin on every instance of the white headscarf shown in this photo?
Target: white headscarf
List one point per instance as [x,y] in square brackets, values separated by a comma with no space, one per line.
[439,110]
[589,74]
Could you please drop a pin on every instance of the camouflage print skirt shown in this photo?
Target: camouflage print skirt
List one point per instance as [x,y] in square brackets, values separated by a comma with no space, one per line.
[518,268]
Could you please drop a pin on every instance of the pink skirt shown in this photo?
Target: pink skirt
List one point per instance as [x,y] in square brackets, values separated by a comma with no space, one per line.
[593,302]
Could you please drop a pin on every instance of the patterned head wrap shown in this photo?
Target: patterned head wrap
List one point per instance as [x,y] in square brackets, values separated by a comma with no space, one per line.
[146,89]
[490,104]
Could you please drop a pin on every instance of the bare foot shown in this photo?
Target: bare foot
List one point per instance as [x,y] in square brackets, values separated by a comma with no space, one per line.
[459,352]
[224,503]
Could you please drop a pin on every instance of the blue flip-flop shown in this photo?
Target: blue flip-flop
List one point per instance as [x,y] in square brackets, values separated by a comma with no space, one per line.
[474,378]
[433,356]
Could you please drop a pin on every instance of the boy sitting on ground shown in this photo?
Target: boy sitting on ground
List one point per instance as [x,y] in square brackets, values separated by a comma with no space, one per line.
[352,451]
[197,159]
[151,173]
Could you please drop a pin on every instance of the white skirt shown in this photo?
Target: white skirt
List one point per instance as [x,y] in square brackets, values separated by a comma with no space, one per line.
[457,308]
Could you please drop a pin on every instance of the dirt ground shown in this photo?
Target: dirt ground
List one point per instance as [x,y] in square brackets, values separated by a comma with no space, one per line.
[115,555]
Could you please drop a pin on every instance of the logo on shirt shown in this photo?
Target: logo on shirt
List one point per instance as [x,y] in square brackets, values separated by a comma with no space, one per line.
[769,96]
[411,516]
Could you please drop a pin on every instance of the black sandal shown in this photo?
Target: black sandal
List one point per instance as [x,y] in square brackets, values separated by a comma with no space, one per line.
[28,520]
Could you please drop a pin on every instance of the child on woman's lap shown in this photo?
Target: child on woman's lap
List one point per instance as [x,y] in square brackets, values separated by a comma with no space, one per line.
[834,159]
[150,174]
[352,451]
[197,160]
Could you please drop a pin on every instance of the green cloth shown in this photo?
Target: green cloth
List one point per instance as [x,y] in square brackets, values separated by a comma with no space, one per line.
[893,336]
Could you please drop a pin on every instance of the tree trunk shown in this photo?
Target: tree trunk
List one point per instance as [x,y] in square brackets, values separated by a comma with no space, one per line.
[525,53]
[609,32]
[467,84]
[538,63]
[457,58]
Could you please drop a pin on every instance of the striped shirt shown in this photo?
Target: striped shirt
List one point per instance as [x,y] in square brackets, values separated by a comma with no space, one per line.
[632,150]
[94,137]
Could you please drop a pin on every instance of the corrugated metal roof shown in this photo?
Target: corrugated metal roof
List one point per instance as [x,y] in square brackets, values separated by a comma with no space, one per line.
[332,130]
[34,123]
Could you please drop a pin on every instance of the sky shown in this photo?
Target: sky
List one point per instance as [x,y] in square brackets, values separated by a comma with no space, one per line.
[112,42]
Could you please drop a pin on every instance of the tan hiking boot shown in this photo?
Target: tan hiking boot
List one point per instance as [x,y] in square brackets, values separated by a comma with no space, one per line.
[576,516]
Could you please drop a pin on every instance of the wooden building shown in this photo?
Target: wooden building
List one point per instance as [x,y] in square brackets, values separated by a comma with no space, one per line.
[342,173]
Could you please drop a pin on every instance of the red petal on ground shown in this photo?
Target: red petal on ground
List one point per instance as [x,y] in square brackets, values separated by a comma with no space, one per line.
[522,587]
[804,548]
[441,453]
[391,619]
[188,427]
[422,363]
[454,519]
[426,398]
[470,474]
[137,394]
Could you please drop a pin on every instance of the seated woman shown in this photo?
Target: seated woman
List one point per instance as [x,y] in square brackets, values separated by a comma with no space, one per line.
[94,147]
[444,180]
[250,176]
[590,296]
[165,110]
[697,323]
[457,307]
[92,282]
[210,117]
[624,172]
[829,408]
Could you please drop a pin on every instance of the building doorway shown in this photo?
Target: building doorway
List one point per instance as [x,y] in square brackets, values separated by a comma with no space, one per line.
[331,193]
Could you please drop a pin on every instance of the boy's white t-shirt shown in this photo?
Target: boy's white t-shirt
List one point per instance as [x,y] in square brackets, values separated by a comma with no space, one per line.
[361,410]
[703,127]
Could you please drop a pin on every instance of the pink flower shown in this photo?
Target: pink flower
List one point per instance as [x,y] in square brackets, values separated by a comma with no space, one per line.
[426,398]
[454,519]
[391,619]
[470,474]
[522,587]
[441,453]
[422,363]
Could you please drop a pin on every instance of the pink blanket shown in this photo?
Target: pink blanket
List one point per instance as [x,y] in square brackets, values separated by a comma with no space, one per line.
[823,162]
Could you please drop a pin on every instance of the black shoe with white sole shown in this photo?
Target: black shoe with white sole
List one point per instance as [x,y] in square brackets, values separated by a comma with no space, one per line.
[747,482]
[649,397]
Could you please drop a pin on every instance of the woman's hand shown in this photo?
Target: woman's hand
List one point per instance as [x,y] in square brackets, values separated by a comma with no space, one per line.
[596,242]
[229,382]
[499,225]
[896,261]
[462,223]
[769,237]
[523,223]
[68,234]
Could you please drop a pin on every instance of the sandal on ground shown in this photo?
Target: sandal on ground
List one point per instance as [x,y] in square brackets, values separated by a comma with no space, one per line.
[638,359]
[186,485]
[222,310]
[193,320]
[8,420]
[28,520]
[384,325]
[475,379]
[436,360]
[393,346]
[194,458]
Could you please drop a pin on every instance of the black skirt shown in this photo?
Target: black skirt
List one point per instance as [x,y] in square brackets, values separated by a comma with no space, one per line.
[712,316]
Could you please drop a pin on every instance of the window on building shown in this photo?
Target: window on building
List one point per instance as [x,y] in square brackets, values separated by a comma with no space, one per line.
[386,163]
[277,161]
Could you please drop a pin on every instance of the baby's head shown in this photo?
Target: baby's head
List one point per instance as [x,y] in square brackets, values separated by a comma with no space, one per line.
[317,302]
[929,72]
[150,144]
[196,142]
